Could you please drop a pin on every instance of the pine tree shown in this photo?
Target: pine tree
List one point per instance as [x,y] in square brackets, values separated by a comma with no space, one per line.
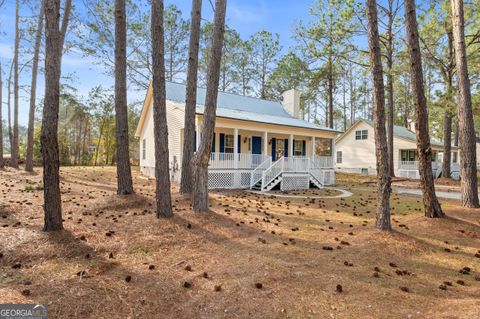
[160,130]
[191,99]
[200,188]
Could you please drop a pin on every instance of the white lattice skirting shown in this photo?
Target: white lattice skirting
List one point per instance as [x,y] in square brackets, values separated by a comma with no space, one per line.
[409,173]
[229,178]
[328,177]
[294,182]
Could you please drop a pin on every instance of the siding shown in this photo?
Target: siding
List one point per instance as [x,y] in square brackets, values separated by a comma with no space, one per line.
[358,154]
[175,118]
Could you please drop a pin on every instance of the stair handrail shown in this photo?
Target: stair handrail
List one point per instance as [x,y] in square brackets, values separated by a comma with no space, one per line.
[257,173]
[272,172]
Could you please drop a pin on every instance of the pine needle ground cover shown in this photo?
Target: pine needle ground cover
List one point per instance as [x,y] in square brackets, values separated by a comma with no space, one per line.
[252,256]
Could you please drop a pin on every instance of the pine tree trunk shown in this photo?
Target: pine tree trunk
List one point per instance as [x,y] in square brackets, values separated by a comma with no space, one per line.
[9,109]
[390,98]
[124,173]
[200,188]
[14,146]
[160,130]
[352,100]
[447,144]
[33,91]
[383,173]
[49,139]
[191,99]
[447,125]
[430,201]
[466,127]
[330,92]
[2,163]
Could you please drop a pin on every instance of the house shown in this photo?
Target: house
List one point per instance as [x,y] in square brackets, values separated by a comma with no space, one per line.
[257,143]
[356,152]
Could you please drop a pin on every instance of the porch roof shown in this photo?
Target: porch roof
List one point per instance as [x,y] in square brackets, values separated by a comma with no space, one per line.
[264,118]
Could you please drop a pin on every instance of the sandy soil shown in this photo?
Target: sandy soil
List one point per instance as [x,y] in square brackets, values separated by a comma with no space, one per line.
[312,258]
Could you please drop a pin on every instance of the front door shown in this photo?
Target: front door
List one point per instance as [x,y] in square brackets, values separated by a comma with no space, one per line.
[256,149]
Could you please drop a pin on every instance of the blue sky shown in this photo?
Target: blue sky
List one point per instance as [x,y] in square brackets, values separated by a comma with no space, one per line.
[246,16]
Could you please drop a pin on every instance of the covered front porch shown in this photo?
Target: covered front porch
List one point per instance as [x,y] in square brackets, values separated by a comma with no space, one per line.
[408,164]
[244,158]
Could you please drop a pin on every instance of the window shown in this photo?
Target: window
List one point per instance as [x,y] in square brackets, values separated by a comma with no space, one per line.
[298,148]
[408,155]
[455,154]
[339,157]
[144,149]
[280,148]
[229,143]
[361,134]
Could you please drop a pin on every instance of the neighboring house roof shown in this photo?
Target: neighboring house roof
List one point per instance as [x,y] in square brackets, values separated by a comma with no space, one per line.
[398,131]
[234,106]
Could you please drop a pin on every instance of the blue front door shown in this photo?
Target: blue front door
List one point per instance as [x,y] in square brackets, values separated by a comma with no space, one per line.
[256,149]
[256,145]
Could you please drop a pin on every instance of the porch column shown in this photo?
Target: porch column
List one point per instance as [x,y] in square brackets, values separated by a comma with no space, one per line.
[334,153]
[313,147]
[290,146]
[265,144]
[235,147]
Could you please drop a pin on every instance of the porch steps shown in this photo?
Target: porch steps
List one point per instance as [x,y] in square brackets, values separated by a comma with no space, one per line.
[315,182]
[273,183]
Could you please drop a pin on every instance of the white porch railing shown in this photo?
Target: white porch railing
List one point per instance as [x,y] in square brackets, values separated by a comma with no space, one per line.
[413,165]
[322,162]
[235,161]
[272,172]
[257,173]
[296,164]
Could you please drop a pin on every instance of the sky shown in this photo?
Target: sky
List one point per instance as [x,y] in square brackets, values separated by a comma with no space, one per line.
[245,16]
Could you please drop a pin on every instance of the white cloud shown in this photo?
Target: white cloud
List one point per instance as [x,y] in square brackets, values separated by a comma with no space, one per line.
[247,14]
[6,50]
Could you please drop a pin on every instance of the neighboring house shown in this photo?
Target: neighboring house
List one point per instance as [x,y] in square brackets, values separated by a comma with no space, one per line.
[257,143]
[356,152]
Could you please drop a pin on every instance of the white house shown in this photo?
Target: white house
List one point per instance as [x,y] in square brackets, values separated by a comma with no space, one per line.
[257,143]
[356,152]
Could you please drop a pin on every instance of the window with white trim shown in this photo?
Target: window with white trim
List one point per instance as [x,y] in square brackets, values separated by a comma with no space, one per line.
[339,157]
[361,134]
[144,149]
